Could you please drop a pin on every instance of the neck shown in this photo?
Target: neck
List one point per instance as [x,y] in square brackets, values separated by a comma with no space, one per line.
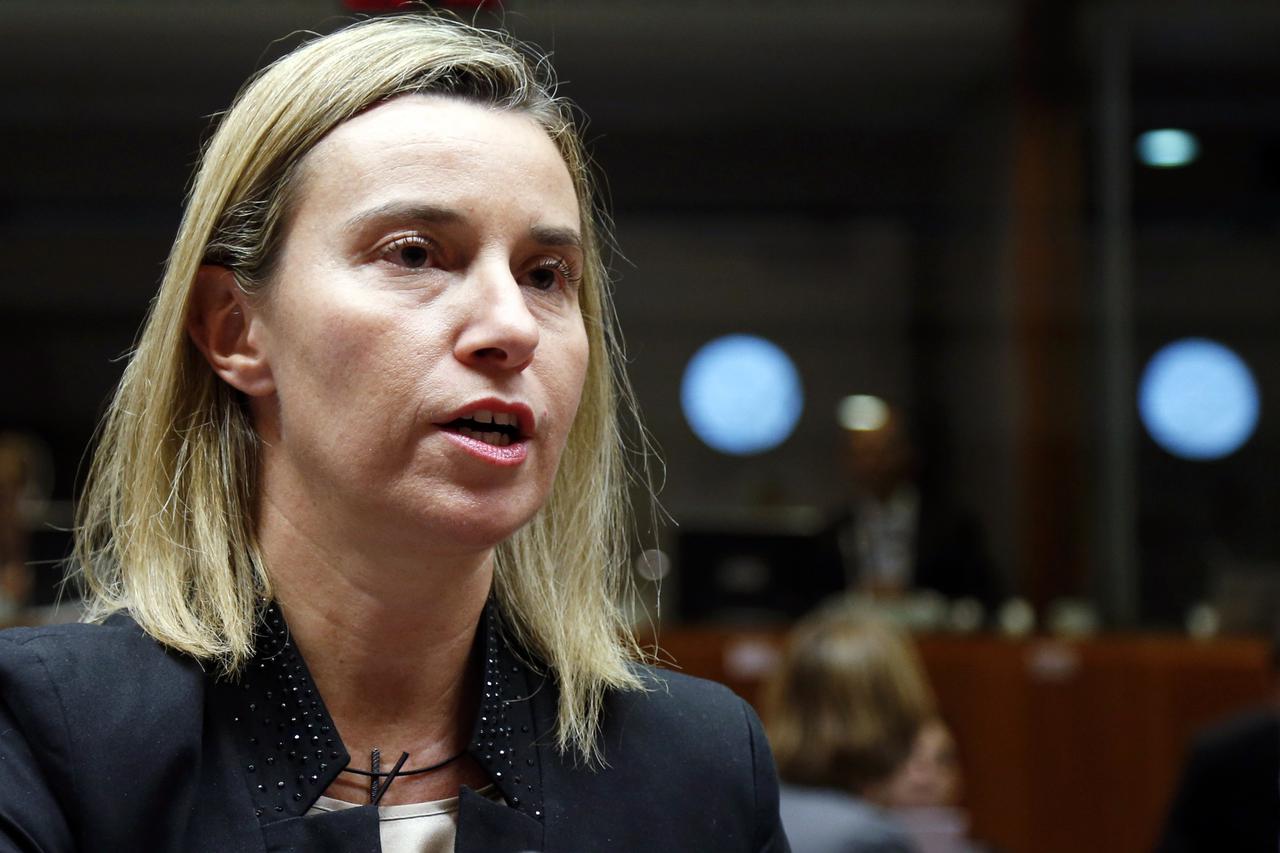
[388,638]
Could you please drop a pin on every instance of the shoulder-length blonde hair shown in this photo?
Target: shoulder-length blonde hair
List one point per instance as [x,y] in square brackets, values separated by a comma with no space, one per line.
[165,527]
[846,703]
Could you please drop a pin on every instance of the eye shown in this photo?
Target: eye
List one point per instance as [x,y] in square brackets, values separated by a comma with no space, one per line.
[551,274]
[412,252]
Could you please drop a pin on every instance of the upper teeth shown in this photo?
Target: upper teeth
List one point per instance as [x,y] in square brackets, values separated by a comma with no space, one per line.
[488,416]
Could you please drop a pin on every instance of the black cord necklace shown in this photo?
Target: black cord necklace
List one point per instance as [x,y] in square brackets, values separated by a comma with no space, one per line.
[377,788]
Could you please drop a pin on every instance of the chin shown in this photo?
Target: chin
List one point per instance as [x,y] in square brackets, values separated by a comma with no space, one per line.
[455,518]
[478,530]
[483,536]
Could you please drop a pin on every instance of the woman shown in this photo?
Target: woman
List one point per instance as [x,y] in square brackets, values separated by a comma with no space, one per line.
[930,777]
[843,712]
[352,536]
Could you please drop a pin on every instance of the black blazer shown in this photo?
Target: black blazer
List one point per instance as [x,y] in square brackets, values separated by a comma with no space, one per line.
[1229,796]
[109,742]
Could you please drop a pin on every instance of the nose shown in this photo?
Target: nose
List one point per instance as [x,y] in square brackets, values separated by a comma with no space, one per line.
[499,332]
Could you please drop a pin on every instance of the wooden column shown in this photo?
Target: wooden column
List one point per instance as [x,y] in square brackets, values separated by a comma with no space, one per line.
[1046,249]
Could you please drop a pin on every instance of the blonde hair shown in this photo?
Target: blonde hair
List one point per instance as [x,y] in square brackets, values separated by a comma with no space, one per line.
[165,523]
[845,706]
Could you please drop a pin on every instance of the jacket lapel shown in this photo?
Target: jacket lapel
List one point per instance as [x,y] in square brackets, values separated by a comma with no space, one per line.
[282,742]
[507,742]
[354,830]
[485,826]
[274,722]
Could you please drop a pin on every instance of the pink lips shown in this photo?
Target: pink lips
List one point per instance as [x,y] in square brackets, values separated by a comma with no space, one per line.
[508,455]
[512,454]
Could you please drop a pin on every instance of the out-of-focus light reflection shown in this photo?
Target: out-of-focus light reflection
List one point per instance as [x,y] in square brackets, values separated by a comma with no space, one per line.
[1198,399]
[653,564]
[1203,621]
[741,395]
[1016,617]
[862,413]
[1167,148]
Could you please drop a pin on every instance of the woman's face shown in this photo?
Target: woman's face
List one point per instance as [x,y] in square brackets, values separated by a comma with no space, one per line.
[422,328]
[930,776]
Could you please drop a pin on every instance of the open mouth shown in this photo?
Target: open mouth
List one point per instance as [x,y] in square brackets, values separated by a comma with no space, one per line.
[499,429]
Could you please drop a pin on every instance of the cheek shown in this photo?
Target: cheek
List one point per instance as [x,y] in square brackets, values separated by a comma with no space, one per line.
[341,363]
[561,371]
[573,374]
[329,353]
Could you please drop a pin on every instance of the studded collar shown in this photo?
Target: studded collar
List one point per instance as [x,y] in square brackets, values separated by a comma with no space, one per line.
[290,751]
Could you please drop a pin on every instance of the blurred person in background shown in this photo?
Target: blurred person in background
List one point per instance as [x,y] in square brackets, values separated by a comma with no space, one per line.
[896,534]
[361,493]
[930,777]
[844,712]
[924,794]
[1229,795]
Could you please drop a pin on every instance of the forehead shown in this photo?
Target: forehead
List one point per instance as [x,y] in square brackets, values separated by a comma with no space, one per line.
[481,161]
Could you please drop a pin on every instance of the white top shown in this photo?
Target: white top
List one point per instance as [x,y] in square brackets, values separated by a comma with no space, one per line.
[413,827]
[882,539]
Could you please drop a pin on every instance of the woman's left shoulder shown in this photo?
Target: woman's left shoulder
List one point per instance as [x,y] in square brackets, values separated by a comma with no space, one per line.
[684,707]
[685,766]
[689,729]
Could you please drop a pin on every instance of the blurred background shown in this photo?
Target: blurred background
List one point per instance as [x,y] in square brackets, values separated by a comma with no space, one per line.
[964,308]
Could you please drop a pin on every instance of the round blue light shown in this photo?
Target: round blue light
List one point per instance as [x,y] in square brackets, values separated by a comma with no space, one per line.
[1198,399]
[1167,148]
[741,395]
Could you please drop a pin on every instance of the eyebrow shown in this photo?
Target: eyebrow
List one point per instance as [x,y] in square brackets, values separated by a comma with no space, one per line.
[564,238]
[399,210]
[545,235]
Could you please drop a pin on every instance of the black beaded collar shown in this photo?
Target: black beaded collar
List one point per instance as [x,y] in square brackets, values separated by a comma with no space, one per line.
[282,734]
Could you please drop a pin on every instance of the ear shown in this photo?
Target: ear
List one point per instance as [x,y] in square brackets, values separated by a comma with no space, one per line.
[224,325]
